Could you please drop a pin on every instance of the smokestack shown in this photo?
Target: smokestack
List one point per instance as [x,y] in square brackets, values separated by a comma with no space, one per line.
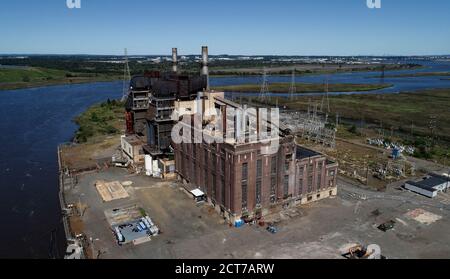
[175,60]
[205,65]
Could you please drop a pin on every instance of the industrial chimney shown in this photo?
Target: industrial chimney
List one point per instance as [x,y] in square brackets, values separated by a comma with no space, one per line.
[175,60]
[205,65]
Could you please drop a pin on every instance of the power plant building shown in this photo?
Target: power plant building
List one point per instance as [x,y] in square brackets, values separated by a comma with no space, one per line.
[242,177]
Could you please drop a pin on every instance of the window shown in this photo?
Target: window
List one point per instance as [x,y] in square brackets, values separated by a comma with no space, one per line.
[273,199]
[206,180]
[187,167]
[273,186]
[244,186]
[301,171]
[286,186]
[244,195]
[286,166]
[222,187]
[206,158]
[214,162]
[194,173]
[244,171]
[273,165]
[222,165]
[258,192]
[310,184]
[319,177]
[259,168]
[288,157]
[310,168]
[300,186]
[214,187]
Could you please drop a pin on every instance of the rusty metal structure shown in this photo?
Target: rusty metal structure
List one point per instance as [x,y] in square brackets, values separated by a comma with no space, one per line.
[150,104]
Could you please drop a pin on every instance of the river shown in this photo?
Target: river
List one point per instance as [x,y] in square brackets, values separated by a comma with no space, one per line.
[34,121]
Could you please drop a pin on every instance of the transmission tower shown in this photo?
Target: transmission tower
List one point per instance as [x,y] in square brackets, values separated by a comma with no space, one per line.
[432,125]
[325,97]
[264,93]
[292,88]
[126,77]
[383,71]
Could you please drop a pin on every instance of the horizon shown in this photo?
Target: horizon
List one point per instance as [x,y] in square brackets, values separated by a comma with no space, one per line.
[250,28]
[223,54]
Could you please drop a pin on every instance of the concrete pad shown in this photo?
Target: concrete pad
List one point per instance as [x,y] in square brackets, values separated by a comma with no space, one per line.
[110,191]
[423,217]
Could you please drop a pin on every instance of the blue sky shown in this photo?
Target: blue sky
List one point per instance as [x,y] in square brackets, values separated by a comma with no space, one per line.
[281,27]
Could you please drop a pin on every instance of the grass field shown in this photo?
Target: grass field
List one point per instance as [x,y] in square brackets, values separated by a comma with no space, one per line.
[305,69]
[100,120]
[303,87]
[27,77]
[411,117]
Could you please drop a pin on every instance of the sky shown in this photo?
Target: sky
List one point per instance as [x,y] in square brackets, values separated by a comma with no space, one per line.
[244,27]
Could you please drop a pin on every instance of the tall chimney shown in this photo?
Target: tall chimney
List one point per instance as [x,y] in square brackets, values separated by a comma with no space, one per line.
[175,60]
[205,65]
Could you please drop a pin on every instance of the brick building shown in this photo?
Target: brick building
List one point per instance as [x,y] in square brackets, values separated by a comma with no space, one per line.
[239,179]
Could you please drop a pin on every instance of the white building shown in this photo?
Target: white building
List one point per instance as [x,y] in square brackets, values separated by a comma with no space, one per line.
[429,186]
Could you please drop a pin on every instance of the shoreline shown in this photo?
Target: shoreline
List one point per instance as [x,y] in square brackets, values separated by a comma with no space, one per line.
[44,84]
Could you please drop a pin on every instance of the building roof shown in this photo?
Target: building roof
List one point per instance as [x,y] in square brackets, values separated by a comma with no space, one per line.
[430,182]
[197,193]
[303,153]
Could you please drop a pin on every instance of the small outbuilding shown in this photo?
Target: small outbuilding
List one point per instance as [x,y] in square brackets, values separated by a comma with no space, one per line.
[199,196]
[430,185]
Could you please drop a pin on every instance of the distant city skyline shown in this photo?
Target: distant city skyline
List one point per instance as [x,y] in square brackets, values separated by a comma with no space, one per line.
[252,27]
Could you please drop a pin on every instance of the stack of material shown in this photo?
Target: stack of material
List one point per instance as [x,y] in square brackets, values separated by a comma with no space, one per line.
[110,191]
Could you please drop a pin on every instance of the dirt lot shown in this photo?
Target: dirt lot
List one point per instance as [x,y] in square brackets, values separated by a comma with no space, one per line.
[85,156]
[319,230]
